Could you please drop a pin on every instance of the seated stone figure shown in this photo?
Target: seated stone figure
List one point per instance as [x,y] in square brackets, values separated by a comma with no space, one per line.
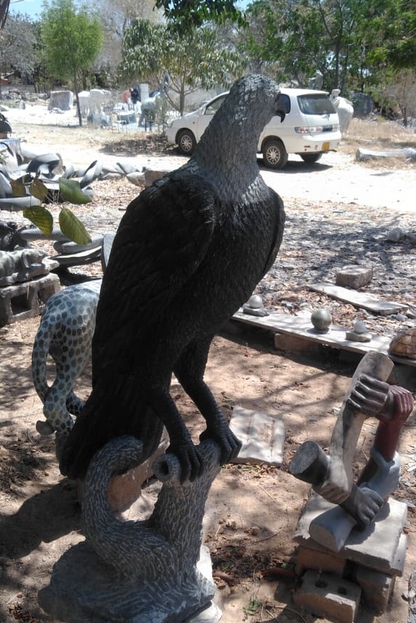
[65,332]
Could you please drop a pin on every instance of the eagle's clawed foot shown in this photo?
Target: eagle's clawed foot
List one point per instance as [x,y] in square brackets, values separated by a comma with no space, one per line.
[189,459]
[228,442]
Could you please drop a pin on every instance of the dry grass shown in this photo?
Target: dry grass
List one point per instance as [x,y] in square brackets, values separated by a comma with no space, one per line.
[378,135]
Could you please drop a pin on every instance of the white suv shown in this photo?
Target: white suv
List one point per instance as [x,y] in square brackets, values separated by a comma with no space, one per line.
[310,128]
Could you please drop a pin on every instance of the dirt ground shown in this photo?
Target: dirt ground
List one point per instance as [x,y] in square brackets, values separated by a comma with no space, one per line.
[252,511]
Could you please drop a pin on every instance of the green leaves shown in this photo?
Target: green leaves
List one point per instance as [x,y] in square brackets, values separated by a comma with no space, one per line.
[72,227]
[41,217]
[71,191]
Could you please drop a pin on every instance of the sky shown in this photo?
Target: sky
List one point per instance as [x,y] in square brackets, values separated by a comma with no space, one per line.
[27,7]
[34,7]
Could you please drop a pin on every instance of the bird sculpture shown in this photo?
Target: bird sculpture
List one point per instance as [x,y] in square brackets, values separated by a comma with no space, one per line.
[188,253]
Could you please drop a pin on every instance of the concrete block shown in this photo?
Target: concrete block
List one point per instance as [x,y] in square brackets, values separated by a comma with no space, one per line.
[26,300]
[262,437]
[325,595]
[376,587]
[311,558]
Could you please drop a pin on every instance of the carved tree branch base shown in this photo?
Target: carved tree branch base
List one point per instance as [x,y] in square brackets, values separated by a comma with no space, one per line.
[136,571]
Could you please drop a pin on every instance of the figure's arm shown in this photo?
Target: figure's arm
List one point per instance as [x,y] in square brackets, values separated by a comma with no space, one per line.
[363,398]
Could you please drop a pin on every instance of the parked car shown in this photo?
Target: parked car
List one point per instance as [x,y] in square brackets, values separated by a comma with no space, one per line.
[310,128]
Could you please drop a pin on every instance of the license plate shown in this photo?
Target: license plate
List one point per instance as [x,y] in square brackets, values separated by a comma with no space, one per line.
[325,146]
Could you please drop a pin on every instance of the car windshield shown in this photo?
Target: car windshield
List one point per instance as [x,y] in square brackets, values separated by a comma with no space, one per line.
[212,108]
[315,105]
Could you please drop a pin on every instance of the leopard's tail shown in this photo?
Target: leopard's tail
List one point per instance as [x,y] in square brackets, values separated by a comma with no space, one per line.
[40,351]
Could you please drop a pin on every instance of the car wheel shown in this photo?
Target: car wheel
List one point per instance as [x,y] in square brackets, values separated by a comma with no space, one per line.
[311,157]
[186,142]
[274,154]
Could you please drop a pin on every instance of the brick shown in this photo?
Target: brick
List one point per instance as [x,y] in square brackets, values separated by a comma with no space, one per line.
[325,595]
[26,300]
[311,558]
[376,587]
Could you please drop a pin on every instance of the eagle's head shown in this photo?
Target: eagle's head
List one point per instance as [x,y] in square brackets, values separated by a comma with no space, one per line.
[232,137]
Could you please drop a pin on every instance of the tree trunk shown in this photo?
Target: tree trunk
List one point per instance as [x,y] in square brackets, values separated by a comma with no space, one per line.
[76,95]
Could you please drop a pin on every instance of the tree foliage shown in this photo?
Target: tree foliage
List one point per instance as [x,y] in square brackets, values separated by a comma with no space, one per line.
[345,40]
[17,44]
[186,15]
[115,18]
[392,35]
[71,39]
[192,60]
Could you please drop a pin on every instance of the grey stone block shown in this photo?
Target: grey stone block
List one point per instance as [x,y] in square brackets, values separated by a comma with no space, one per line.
[26,300]
[326,595]
[354,276]
[262,437]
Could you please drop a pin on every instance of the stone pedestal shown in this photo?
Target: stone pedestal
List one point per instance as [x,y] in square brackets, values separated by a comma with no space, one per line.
[373,557]
[136,571]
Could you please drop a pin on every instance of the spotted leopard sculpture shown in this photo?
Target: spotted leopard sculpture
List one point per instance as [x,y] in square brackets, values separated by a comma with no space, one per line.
[65,332]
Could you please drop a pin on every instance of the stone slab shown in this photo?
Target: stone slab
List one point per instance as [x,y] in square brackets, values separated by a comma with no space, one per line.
[326,595]
[359,299]
[364,547]
[300,327]
[26,300]
[262,437]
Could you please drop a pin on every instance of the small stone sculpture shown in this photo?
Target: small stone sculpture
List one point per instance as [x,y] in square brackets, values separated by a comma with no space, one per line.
[404,344]
[321,320]
[368,395]
[65,333]
[24,264]
[359,333]
[254,307]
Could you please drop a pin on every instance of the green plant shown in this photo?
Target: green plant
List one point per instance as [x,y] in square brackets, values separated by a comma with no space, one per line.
[69,190]
[253,606]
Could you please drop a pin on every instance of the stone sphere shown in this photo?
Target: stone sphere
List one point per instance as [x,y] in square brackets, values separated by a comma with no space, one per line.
[321,320]
[255,301]
[359,327]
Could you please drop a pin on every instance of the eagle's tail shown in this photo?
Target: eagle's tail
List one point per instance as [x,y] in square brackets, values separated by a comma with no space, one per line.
[109,413]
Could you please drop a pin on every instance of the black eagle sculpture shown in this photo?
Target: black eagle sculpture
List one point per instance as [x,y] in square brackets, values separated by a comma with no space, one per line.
[188,253]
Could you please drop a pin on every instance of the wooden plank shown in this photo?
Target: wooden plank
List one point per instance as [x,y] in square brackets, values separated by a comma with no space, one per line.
[300,326]
[359,299]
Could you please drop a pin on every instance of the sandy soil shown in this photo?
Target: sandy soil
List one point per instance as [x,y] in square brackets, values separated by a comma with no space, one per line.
[252,511]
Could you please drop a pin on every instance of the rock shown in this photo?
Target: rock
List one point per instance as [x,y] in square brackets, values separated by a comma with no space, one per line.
[354,276]
[353,336]
[395,235]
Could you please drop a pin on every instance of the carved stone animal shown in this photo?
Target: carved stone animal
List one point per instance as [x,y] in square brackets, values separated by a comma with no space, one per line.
[65,333]
[188,253]
[19,264]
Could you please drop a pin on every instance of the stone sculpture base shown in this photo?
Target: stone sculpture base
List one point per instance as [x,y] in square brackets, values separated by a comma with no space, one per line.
[136,571]
[84,589]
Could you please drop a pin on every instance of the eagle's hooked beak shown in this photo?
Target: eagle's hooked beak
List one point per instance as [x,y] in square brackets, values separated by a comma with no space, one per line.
[280,109]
